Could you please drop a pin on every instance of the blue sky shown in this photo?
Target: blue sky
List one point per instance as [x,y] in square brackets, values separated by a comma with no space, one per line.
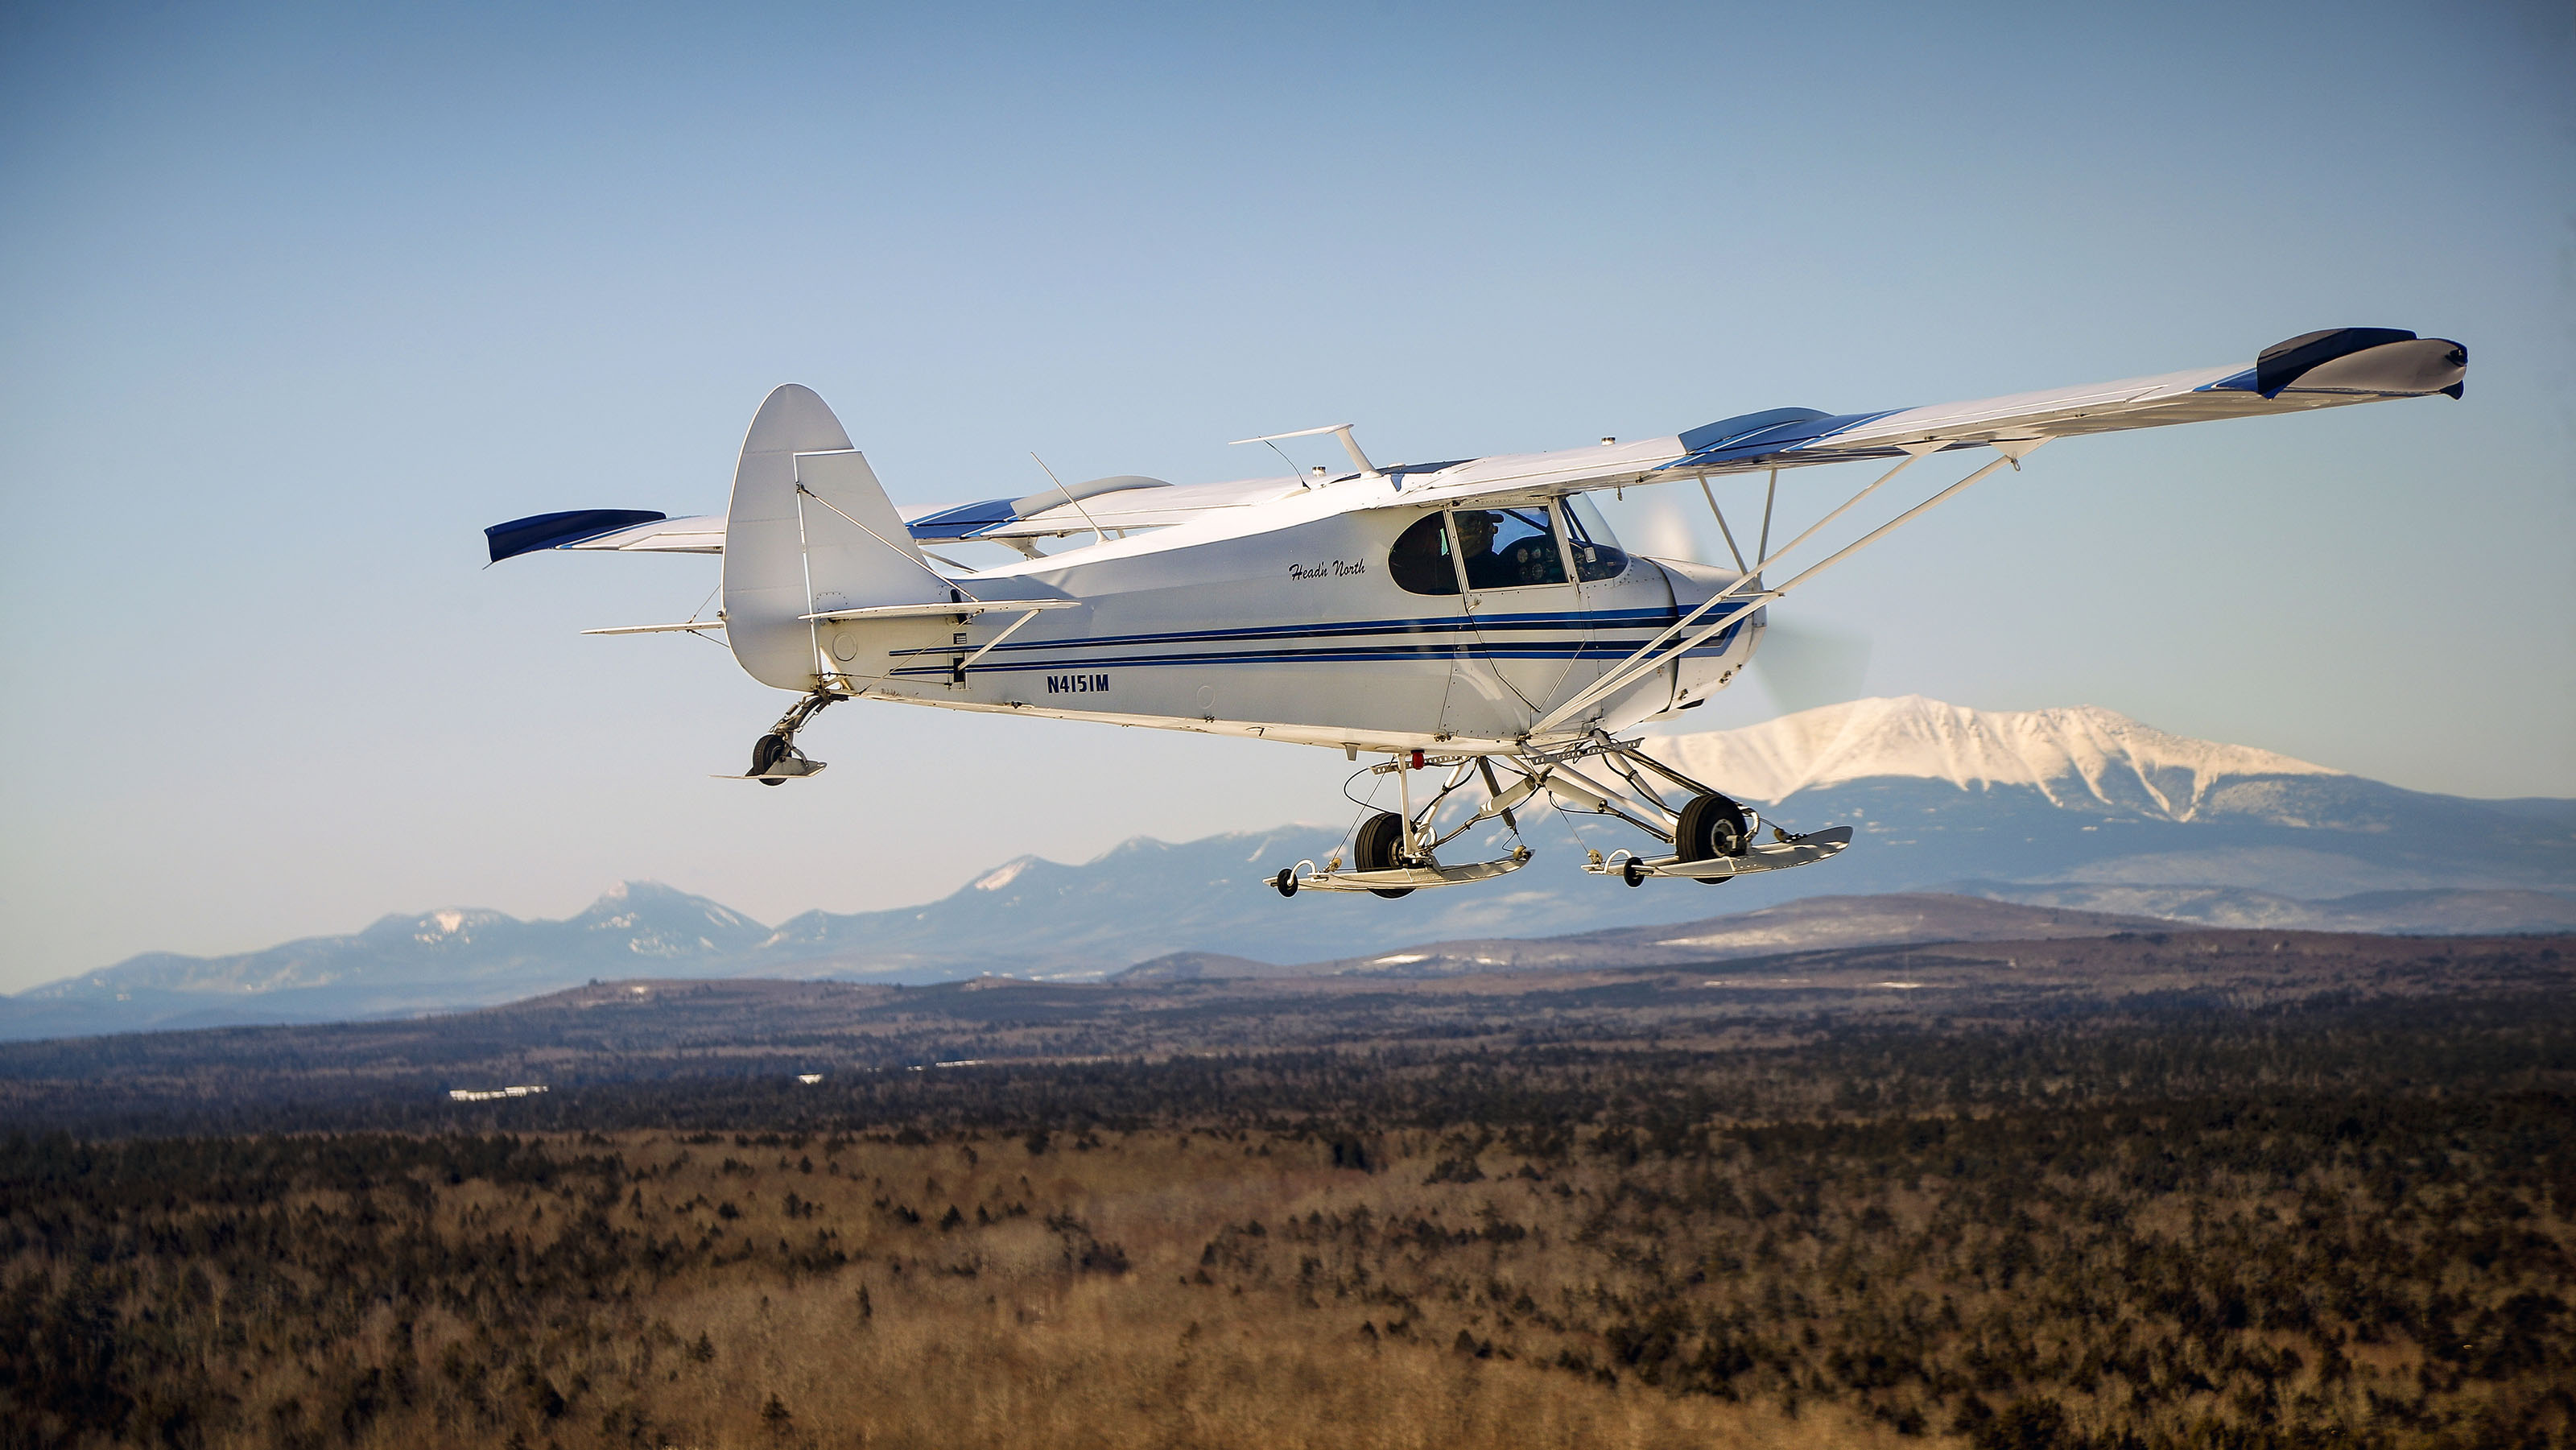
[294,301]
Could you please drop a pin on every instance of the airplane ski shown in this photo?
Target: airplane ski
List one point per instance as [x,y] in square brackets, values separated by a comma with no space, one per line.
[794,767]
[1397,879]
[1804,850]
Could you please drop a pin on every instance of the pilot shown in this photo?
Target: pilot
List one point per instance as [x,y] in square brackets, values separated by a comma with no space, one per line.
[1530,559]
[1476,544]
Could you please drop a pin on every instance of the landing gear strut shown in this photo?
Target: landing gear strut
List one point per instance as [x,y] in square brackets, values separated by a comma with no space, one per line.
[774,756]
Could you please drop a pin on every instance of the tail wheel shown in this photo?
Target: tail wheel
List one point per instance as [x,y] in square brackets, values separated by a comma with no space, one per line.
[766,752]
[1381,837]
[1712,826]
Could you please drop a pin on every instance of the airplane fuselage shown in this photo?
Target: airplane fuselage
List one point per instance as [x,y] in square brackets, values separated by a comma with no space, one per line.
[1297,620]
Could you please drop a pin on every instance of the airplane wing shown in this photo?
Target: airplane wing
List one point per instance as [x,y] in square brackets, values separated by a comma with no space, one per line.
[1115,504]
[2318,370]
[1145,504]
[700,534]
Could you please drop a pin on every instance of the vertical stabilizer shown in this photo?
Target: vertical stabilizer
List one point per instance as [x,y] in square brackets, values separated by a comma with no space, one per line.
[837,545]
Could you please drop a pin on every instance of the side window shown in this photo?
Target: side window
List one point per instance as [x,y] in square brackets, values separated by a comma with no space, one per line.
[1420,563]
[1596,556]
[1509,548]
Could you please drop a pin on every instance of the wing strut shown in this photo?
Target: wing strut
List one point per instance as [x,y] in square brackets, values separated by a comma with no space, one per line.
[1771,491]
[1706,493]
[1007,631]
[1634,667]
[1627,670]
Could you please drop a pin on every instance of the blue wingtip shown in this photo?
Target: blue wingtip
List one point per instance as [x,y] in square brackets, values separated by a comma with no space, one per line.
[553,531]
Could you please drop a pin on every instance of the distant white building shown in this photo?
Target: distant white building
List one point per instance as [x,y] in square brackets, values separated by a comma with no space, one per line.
[480,1095]
[809,1078]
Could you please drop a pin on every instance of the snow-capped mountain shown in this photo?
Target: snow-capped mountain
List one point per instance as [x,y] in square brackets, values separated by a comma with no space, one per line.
[1991,800]
[2086,757]
[2078,808]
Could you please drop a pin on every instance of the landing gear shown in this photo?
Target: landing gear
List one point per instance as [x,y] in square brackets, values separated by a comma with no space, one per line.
[1395,852]
[1712,836]
[774,756]
[1711,826]
[1380,847]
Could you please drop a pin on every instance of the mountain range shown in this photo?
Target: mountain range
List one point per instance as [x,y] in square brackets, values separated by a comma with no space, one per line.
[2072,810]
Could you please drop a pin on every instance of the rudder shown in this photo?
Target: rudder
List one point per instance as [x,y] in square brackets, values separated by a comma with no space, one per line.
[786,555]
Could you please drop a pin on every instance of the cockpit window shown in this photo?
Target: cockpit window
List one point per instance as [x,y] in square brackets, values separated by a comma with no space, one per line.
[1596,556]
[1509,548]
[1420,562]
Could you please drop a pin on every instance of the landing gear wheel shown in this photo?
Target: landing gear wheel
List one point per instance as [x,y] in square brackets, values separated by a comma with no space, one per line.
[1381,837]
[1285,881]
[767,751]
[1711,826]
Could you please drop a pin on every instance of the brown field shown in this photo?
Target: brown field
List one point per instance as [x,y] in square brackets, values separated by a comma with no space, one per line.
[2303,1219]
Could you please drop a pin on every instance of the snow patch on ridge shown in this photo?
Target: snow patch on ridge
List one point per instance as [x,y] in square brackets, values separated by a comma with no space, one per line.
[1004,875]
[2081,756]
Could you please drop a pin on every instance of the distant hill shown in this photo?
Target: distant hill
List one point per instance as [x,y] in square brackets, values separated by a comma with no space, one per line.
[448,958]
[2076,810]
[1814,924]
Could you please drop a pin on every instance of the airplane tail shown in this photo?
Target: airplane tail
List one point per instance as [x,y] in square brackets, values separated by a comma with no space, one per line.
[810,531]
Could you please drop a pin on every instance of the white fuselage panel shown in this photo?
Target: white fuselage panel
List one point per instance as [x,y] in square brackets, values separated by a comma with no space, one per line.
[1281,620]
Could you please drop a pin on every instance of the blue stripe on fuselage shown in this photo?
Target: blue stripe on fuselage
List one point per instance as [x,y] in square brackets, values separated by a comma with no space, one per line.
[1594,649]
[1445,624]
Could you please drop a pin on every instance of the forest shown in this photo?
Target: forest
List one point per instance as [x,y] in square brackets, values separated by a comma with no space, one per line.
[2169,1219]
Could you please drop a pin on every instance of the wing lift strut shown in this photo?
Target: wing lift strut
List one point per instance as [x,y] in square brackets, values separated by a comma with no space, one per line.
[1747,593]
[1713,838]
[1709,837]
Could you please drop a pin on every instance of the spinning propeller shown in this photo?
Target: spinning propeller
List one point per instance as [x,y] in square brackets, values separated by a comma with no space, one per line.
[1799,666]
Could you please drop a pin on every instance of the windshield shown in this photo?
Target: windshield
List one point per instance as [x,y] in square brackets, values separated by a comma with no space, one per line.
[1597,556]
[1509,548]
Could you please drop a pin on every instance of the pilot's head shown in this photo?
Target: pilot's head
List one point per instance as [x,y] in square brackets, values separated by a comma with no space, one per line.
[1475,532]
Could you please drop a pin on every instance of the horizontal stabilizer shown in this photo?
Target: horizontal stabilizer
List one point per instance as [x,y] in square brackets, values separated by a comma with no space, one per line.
[691,627]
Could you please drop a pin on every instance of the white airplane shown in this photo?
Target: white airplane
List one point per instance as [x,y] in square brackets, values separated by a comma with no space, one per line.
[1473,617]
